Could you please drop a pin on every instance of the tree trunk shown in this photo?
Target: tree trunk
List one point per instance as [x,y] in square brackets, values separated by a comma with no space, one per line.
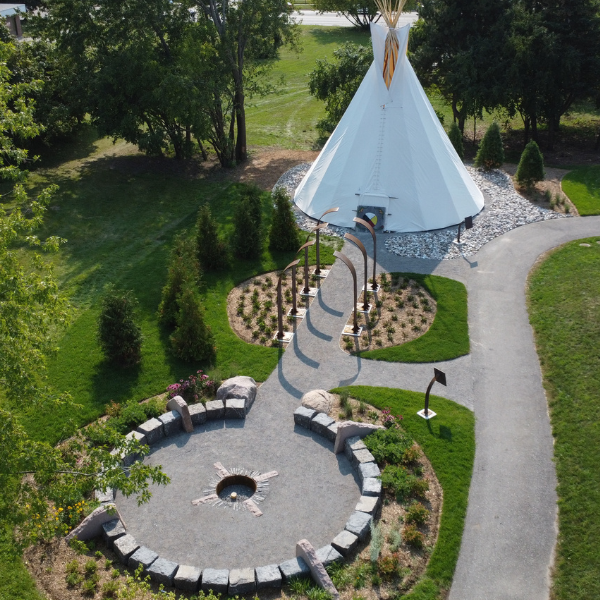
[534,130]
[597,146]
[202,151]
[241,153]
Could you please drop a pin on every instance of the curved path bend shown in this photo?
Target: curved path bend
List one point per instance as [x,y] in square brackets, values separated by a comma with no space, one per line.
[510,530]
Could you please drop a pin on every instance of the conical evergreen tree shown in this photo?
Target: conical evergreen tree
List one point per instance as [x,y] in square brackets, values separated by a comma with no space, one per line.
[284,234]
[192,339]
[183,269]
[531,165]
[247,239]
[211,249]
[120,337]
[491,153]
[456,138]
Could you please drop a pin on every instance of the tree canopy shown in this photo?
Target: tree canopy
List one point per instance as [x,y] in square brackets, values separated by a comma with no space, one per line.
[39,481]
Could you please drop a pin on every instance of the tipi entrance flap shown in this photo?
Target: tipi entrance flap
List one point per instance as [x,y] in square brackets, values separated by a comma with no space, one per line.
[373,208]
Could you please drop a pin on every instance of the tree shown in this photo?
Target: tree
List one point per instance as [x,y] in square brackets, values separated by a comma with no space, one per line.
[456,138]
[459,48]
[37,479]
[57,90]
[243,28]
[336,82]
[284,235]
[247,238]
[118,334]
[192,339]
[211,249]
[554,60]
[491,152]
[531,166]
[184,268]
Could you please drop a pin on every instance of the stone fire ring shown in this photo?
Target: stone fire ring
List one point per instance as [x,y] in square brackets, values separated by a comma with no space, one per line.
[242,581]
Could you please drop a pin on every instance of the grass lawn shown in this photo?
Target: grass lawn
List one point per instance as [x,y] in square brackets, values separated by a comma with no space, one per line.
[288,118]
[120,214]
[447,338]
[564,310]
[582,185]
[449,443]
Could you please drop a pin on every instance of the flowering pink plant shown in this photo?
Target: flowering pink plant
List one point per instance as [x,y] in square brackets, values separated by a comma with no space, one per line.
[389,420]
[193,389]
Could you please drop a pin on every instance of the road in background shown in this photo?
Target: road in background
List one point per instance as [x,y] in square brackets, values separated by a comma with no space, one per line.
[332,19]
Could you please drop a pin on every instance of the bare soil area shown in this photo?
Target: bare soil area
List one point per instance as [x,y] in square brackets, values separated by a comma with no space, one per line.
[400,312]
[545,194]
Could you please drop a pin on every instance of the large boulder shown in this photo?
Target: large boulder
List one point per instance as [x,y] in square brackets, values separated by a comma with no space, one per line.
[238,387]
[318,400]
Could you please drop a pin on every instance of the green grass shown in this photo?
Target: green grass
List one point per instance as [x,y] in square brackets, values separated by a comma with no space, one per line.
[449,443]
[120,214]
[289,117]
[564,310]
[448,336]
[582,185]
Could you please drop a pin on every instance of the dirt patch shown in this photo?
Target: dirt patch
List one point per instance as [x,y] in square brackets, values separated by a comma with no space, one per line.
[252,306]
[401,311]
[546,194]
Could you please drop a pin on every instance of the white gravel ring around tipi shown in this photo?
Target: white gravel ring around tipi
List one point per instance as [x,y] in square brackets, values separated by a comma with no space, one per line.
[505,209]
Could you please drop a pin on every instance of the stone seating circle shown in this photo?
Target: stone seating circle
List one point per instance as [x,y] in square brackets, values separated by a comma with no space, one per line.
[247,580]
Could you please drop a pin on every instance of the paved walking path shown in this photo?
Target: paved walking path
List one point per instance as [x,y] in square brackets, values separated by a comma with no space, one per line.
[510,531]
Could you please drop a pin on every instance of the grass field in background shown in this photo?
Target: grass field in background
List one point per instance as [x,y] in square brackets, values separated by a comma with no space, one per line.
[582,185]
[564,310]
[449,443]
[448,336]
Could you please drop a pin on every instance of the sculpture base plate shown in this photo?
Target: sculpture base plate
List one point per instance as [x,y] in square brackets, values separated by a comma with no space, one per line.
[430,414]
[300,313]
[312,292]
[322,274]
[287,337]
[348,331]
[360,308]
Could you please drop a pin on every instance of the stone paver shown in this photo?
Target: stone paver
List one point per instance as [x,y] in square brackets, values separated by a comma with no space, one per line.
[267,577]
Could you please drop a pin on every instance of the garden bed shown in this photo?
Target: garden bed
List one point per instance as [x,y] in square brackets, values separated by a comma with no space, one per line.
[402,311]
[252,306]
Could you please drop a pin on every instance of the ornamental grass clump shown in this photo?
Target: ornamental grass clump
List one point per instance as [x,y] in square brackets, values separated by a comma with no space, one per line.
[284,234]
[531,166]
[491,152]
[120,337]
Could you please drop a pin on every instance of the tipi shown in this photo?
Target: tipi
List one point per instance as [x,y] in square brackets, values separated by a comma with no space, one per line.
[389,159]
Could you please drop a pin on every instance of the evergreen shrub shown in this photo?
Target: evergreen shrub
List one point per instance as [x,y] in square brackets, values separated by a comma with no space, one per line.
[183,269]
[247,240]
[211,248]
[491,152]
[284,235]
[456,137]
[192,339]
[531,166]
[118,334]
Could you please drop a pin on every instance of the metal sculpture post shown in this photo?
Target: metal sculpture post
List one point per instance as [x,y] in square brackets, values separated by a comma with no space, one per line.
[294,309]
[369,227]
[355,329]
[354,239]
[306,291]
[318,229]
[440,377]
[281,335]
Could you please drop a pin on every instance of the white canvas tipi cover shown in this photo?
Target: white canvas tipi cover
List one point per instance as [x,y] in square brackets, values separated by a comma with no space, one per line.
[390,151]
